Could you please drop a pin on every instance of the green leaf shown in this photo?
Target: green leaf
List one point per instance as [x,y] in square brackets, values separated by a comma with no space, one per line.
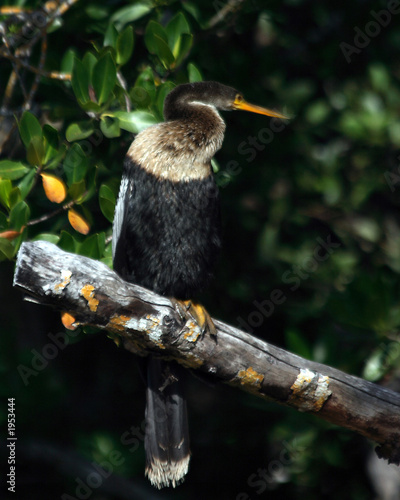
[80,81]
[104,77]
[144,91]
[75,164]
[110,127]
[14,197]
[90,106]
[57,158]
[12,169]
[97,11]
[107,201]
[163,52]
[110,37]
[6,249]
[379,77]
[156,41]
[93,246]
[26,184]
[154,29]
[174,29]
[5,190]
[194,73]
[3,221]
[133,121]
[89,60]
[125,45]
[79,130]
[77,190]
[67,62]
[67,242]
[163,90]
[90,185]
[185,44]
[131,13]
[52,238]
[19,215]
[51,142]
[29,127]
[35,151]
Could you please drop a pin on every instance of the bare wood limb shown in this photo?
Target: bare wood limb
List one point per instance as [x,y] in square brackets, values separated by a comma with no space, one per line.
[145,321]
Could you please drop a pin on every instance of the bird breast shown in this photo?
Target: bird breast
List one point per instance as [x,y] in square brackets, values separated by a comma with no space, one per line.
[180,150]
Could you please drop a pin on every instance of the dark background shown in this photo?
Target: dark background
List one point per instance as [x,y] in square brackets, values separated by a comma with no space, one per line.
[330,174]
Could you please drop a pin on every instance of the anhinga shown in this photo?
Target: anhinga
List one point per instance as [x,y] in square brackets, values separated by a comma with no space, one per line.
[166,237]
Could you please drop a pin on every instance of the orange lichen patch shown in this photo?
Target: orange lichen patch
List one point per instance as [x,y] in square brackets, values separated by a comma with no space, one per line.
[69,321]
[88,293]
[117,322]
[250,377]
[193,332]
[66,278]
[310,391]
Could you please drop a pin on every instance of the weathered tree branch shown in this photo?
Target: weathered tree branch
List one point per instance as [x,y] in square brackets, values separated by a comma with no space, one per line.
[93,294]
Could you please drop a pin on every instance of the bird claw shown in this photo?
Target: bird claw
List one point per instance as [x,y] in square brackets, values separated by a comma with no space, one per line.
[197,313]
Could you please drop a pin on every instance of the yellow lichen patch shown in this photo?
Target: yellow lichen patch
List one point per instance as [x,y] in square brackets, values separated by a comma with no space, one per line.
[250,377]
[88,293]
[66,278]
[191,361]
[117,322]
[69,321]
[155,322]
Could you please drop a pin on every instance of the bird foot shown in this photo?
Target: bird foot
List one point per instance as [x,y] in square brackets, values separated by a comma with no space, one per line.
[196,312]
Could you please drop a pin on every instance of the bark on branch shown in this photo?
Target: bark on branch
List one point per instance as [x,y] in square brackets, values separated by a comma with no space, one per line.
[94,295]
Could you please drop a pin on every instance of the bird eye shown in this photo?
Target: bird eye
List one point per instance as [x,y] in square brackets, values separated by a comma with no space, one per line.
[238,98]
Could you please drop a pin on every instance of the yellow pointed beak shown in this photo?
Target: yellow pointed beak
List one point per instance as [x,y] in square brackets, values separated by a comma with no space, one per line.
[240,103]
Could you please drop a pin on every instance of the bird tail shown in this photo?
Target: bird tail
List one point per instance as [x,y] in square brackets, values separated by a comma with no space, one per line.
[167,434]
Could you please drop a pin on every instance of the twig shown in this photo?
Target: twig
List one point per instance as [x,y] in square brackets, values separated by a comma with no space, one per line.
[123,84]
[35,84]
[14,63]
[47,74]
[45,217]
[230,6]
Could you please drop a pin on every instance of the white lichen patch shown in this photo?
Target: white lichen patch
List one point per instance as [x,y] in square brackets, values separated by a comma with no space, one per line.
[150,325]
[65,280]
[192,331]
[310,390]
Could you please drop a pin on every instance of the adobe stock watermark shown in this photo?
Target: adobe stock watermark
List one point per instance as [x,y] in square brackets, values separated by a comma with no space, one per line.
[248,148]
[132,438]
[293,276]
[40,360]
[274,472]
[372,29]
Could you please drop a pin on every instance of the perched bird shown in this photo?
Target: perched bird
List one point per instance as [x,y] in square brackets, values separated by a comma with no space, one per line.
[166,237]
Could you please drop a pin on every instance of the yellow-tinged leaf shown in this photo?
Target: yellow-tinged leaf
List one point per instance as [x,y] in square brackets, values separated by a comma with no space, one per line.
[54,188]
[78,222]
